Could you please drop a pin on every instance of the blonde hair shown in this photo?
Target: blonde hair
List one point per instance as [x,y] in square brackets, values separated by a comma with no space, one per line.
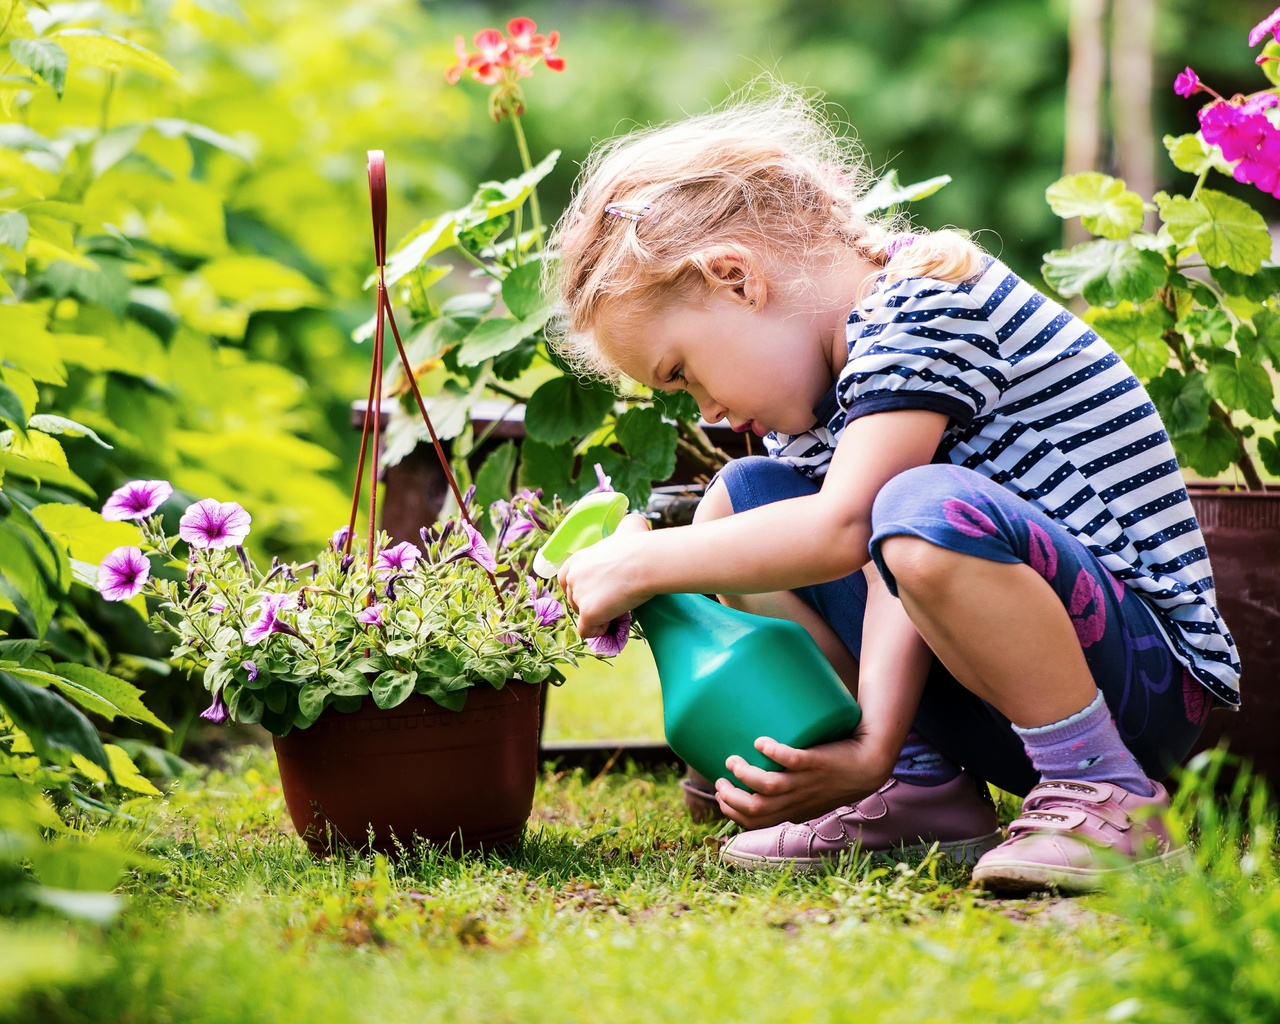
[766,173]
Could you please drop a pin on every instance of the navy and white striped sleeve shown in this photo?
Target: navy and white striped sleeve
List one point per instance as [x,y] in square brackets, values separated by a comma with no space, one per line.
[928,346]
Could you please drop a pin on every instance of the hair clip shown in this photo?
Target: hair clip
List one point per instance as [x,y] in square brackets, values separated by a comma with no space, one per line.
[628,211]
[896,245]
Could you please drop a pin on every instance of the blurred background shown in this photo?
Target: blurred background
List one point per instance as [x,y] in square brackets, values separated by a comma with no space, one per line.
[1002,95]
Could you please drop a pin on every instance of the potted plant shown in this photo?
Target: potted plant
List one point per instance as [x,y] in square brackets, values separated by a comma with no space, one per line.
[402,690]
[1194,309]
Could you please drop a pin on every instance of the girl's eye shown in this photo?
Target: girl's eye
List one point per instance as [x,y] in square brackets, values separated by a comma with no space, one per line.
[676,376]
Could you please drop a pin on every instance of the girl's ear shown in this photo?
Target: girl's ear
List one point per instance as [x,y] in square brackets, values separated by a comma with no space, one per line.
[732,269]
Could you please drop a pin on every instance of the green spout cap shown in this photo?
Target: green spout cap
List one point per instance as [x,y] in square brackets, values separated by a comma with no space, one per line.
[589,520]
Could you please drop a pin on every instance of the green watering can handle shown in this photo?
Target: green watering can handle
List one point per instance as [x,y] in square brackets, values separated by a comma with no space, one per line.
[589,520]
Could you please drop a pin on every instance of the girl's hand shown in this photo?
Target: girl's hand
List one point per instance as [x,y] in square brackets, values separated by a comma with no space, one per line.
[605,580]
[816,780]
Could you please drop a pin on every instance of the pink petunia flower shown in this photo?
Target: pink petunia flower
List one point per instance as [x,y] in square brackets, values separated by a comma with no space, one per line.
[1271,24]
[371,616]
[217,711]
[123,573]
[136,499]
[397,559]
[1187,83]
[213,524]
[268,619]
[610,645]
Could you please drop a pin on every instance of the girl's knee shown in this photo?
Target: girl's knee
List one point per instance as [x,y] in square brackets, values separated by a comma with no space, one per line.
[758,480]
[913,561]
[715,503]
[913,493]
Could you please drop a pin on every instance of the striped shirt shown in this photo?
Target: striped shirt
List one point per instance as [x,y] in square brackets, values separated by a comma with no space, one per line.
[1044,407]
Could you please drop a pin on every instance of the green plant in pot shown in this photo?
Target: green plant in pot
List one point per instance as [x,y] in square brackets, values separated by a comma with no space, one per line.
[1194,308]
[410,681]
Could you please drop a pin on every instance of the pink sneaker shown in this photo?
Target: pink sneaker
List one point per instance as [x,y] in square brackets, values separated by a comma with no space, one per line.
[1071,835]
[958,816]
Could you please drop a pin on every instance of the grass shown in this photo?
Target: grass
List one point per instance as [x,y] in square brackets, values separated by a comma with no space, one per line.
[617,699]
[616,908]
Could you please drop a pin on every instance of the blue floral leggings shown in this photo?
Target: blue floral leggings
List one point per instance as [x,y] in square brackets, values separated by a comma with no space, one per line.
[1157,705]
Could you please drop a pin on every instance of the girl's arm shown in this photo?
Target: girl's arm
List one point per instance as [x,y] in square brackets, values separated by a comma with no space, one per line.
[780,546]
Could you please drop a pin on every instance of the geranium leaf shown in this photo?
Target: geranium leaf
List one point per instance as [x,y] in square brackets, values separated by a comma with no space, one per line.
[493,480]
[650,441]
[1242,385]
[1105,272]
[1137,335]
[1226,231]
[522,291]
[1192,154]
[562,409]
[1103,204]
[1182,401]
[1210,451]
[1269,452]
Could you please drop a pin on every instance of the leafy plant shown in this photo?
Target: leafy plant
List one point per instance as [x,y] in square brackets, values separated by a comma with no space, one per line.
[279,647]
[1194,307]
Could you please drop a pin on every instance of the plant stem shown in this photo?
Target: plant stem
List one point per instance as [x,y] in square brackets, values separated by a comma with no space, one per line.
[471,257]
[523,146]
[693,441]
[1200,181]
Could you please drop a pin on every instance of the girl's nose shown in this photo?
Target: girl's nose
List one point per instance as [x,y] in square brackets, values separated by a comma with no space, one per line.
[711,410]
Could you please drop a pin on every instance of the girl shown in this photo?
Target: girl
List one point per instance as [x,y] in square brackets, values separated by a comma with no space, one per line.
[969,501]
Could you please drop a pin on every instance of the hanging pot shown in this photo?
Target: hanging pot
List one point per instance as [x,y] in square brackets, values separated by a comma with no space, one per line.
[375,779]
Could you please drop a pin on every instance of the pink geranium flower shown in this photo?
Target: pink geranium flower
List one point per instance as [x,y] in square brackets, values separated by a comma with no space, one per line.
[137,499]
[610,645]
[214,524]
[1187,82]
[1269,24]
[268,619]
[123,573]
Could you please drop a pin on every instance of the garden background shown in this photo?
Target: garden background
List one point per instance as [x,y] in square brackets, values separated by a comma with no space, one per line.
[219,356]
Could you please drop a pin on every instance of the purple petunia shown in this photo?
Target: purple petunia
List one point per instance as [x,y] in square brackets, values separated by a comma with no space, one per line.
[339,539]
[614,639]
[215,712]
[136,499]
[1187,83]
[604,484]
[123,573]
[268,622]
[397,559]
[476,549]
[371,616]
[548,610]
[511,639]
[251,668]
[214,524]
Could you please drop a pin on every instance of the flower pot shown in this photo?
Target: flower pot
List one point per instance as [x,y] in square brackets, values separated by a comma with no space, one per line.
[460,779]
[1242,533]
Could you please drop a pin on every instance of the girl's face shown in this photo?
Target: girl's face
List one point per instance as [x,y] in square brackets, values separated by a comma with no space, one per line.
[760,363]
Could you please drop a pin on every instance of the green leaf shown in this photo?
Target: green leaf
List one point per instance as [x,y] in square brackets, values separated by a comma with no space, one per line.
[563,409]
[1105,272]
[494,337]
[113,53]
[1137,335]
[349,682]
[312,699]
[439,663]
[887,193]
[14,230]
[55,728]
[11,410]
[493,480]
[392,688]
[522,291]
[1242,385]
[1103,204]
[650,441]
[1226,231]
[1269,452]
[428,239]
[1192,154]
[61,425]
[1182,401]
[1267,324]
[547,466]
[45,57]
[242,705]
[515,191]
[87,536]
[1209,452]
[122,697]
[1270,66]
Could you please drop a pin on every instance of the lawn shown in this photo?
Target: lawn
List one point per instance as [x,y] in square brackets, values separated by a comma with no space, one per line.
[616,908]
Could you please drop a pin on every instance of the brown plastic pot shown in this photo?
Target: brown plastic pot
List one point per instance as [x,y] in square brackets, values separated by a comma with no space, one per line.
[459,779]
[1242,533]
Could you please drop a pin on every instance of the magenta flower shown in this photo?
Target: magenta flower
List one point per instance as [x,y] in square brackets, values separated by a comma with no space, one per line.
[476,549]
[614,639]
[268,621]
[1271,23]
[123,573]
[371,616]
[136,499]
[1233,129]
[397,559]
[1261,167]
[217,711]
[213,524]
[1187,83]
[251,668]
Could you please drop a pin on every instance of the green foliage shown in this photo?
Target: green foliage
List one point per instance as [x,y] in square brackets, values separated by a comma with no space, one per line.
[1192,309]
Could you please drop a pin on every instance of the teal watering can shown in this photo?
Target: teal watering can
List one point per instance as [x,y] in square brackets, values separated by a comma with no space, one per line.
[727,676]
